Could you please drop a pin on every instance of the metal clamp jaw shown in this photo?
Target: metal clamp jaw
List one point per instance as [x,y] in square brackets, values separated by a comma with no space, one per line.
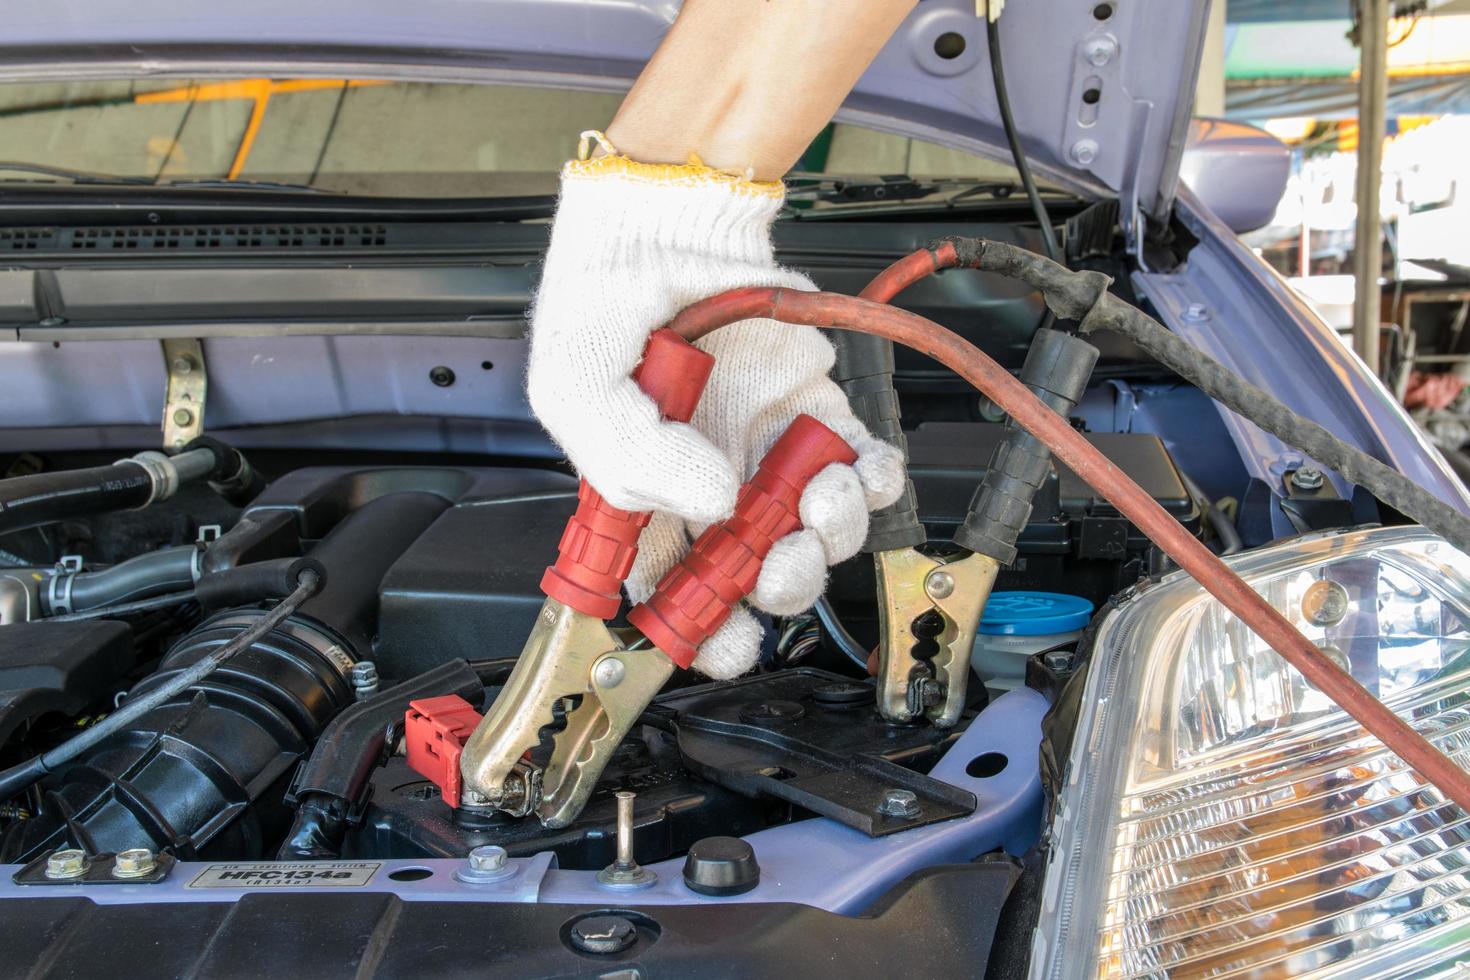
[928,611]
[929,608]
[568,654]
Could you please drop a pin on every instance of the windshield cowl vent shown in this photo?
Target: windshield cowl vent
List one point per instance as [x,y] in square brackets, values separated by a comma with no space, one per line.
[194,238]
[229,237]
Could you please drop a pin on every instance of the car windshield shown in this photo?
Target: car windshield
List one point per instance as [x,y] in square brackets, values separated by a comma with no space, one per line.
[360,136]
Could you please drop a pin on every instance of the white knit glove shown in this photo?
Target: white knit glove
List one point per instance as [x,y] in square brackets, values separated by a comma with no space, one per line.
[632,245]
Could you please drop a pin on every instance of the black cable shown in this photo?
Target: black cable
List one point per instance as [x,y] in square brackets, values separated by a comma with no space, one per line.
[841,638]
[17,778]
[1083,296]
[1003,101]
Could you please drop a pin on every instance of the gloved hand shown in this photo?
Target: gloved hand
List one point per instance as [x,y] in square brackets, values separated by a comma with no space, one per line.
[632,245]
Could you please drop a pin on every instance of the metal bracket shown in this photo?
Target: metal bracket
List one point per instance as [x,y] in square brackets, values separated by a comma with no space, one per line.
[188,384]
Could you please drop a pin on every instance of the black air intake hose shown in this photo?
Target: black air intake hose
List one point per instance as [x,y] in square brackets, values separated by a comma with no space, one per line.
[205,772]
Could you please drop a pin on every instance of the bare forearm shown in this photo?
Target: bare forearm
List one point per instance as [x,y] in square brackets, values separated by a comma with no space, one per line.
[747,84]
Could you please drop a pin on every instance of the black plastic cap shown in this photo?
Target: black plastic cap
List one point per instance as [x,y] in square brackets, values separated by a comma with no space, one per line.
[721,866]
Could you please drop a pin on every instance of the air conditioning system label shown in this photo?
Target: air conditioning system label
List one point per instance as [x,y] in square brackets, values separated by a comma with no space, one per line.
[286,874]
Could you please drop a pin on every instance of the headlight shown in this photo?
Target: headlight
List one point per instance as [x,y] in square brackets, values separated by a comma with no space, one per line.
[1220,816]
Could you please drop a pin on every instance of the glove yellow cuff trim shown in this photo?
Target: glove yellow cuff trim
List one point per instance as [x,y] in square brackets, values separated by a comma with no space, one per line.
[692,174]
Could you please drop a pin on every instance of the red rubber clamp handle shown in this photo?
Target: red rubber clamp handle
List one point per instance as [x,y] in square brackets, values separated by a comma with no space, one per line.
[697,594]
[599,544]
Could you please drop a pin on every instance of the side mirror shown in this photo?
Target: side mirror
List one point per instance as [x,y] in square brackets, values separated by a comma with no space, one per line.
[1238,171]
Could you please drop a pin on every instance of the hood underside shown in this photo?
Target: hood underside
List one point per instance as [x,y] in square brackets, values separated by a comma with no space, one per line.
[1101,91]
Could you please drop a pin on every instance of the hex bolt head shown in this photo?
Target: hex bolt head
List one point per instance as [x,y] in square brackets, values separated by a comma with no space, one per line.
[1059,661]
[183,364]
[68,863]
[1307,478]
[899,803]
[364,678]
[602,934]
[488,859]
[1084,151]
[135,862]
[608,672]
[939,584]
[182,416]
[1100,50]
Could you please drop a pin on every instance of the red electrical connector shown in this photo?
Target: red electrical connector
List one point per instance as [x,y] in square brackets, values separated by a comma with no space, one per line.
[434,732]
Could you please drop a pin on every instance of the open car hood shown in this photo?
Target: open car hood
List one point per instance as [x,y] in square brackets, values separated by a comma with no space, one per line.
[1101,91]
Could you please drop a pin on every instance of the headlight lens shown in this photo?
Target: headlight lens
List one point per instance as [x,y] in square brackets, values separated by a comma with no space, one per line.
[1221,816]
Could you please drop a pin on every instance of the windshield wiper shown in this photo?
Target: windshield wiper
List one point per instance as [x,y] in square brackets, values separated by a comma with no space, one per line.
[804,187]
[120,180]
[68,174]
[263,185]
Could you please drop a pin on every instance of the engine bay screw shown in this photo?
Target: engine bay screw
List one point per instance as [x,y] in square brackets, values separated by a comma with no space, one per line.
[1059,661]
[441,376]
[1307,478]
[364,678]
[135,862]
[183,365]
[1195,312]
[602,934]
[899,803]
[68,863]
[939,584]
[608,672]
[1100,50]
[1084,151]
[487,863]
[182,416]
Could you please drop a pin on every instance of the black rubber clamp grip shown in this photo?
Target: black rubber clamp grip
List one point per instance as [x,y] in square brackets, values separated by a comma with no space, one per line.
[864,370]
[1057,369]
[244,585]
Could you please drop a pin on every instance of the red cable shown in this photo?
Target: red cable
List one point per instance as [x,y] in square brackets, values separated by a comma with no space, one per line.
[969,362]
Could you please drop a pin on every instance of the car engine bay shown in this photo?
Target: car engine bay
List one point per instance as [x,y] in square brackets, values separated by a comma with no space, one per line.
[251,662]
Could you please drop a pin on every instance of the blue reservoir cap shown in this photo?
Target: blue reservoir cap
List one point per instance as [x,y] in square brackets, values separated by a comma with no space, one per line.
[1034,614]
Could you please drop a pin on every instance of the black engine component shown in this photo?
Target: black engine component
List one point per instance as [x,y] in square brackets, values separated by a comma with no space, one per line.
[813,739]
[58,667]
[204,773]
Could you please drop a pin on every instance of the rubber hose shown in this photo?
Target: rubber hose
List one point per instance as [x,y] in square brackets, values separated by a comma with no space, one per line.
[42,498]
[816,309]
[152,574]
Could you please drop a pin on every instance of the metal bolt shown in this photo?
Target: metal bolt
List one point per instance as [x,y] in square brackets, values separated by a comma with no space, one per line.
[70,863]
[603,934]
[1307,478]
[1059,661]
[364,678]
[899,803]
[182,416]
[488,858]
[1100,50]
[133,863]
[625,872]
[1084,151]
[939,584]
[488,863]
[608,672]
[183,365]
[441,376]
[1196,312]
